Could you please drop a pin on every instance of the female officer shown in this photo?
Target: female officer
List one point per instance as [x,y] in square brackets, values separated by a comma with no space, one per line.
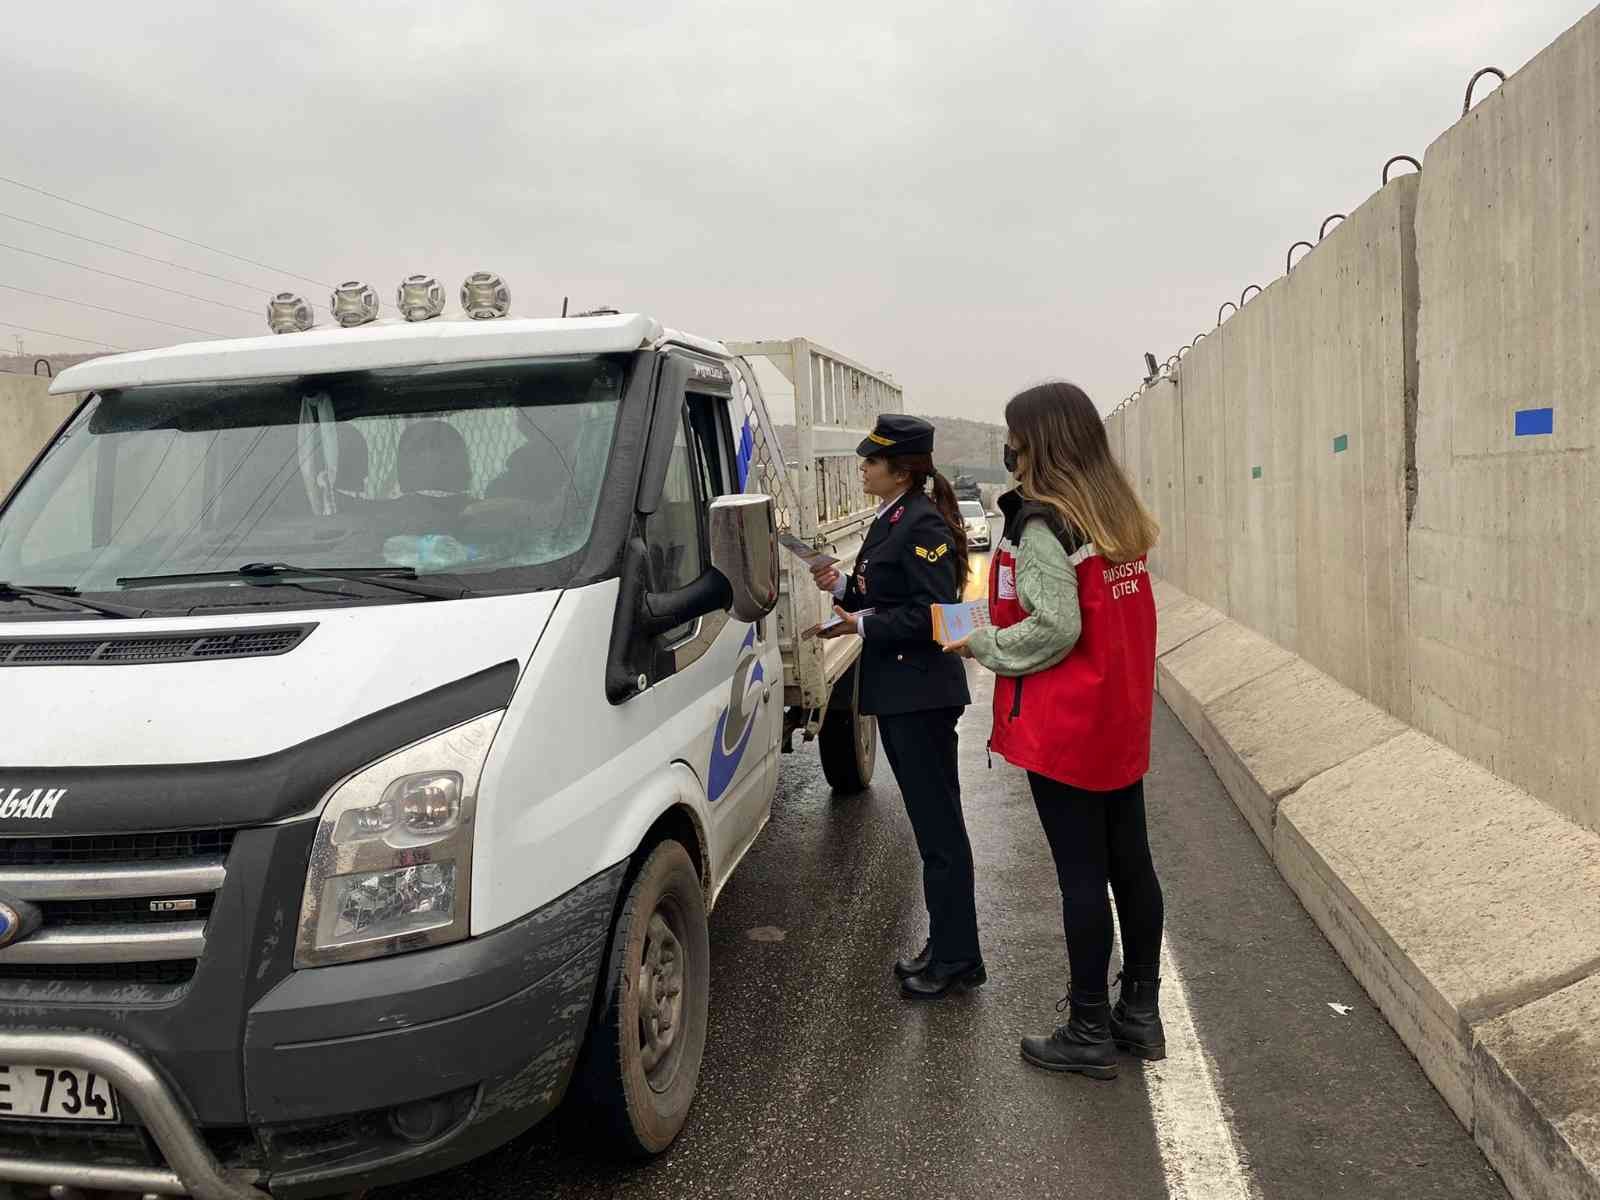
[1073,644]
[915,556]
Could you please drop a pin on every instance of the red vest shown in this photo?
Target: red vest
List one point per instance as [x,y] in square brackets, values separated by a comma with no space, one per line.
[1086,720]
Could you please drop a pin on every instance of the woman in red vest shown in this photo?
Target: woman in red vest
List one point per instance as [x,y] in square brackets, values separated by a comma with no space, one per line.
[1073,649]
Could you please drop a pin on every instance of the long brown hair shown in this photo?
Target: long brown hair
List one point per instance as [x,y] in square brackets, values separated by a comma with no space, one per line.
[1064,460]
[921,469]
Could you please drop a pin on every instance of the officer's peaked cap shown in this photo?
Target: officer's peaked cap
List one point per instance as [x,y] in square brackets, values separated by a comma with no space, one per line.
[897,434]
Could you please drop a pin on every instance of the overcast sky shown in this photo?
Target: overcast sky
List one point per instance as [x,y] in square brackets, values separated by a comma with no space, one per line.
[972,197]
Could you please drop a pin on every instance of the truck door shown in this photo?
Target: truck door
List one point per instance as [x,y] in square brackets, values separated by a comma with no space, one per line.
[717,711]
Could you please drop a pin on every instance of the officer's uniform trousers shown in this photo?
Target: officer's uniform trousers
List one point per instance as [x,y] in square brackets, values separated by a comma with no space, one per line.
[917,692]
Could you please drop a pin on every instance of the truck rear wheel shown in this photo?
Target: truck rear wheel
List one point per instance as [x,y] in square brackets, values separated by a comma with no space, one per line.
[643,1060]
[848,744]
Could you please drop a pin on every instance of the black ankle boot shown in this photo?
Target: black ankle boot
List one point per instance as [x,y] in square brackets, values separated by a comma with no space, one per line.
[1083,1045]
[1136,1021]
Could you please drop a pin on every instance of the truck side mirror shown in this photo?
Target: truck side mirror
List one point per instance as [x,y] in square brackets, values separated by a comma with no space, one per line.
[742,578]
[744,550]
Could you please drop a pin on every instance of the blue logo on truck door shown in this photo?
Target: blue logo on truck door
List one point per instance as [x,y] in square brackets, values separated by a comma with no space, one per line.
[738,720]
[747,450]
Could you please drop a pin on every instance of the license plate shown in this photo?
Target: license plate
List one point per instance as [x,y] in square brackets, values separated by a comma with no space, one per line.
[55,1094]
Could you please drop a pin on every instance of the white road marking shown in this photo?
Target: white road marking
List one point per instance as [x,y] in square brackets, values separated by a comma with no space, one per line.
[1198,1153]
[1342,1009]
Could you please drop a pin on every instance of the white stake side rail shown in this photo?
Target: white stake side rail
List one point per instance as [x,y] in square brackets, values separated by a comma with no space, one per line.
[836,404]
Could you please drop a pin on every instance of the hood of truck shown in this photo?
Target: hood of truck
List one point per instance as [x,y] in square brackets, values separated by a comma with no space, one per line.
[354,663]
[98,748]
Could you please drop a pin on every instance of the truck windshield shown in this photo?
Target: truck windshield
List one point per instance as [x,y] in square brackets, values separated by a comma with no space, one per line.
[491,473]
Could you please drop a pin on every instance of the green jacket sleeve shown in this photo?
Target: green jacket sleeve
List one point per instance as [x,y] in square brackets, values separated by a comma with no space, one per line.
[1047,587]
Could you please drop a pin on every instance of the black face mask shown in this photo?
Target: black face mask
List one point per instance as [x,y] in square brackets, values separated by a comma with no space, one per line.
[1009,457]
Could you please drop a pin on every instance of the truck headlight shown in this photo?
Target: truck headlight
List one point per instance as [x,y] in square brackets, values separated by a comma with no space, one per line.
[391,868]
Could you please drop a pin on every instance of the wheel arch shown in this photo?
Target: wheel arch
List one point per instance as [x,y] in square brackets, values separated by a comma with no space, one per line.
[675,817]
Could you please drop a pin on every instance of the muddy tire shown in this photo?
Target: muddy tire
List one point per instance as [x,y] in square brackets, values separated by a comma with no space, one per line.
[848,745]
[642,1064]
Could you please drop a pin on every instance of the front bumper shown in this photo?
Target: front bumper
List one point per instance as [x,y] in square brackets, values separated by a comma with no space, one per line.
[473,1042]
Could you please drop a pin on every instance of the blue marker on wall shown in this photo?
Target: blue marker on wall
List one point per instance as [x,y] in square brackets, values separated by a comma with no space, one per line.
[1532,422]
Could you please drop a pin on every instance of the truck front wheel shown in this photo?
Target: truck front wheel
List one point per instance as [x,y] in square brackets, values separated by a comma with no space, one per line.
[848,744]
[643,1059]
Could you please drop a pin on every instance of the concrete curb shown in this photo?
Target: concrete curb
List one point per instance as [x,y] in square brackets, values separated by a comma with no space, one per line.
[1468,909]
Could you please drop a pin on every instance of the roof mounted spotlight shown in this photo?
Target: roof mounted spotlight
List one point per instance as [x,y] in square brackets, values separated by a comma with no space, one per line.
[289,313]
[354,303]
[419,297]
[484,296]
[1150,369]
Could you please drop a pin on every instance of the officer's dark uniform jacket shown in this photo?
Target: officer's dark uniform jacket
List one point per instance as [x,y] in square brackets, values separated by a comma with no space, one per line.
[907,563]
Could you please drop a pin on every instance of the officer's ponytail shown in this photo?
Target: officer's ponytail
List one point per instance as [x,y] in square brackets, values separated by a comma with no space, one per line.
[921,469]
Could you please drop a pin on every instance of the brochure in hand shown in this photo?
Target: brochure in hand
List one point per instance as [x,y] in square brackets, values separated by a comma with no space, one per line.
[833,622]
[955,622]
[809,555]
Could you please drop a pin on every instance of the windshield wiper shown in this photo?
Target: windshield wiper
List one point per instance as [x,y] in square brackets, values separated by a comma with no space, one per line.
[69,595]
[396,579]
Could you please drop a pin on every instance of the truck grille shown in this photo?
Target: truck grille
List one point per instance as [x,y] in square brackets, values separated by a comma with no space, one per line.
[115,848]
[125,908]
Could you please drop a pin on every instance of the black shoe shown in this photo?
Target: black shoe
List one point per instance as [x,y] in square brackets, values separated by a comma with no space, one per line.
[939,979]
[1136,1020]
[1083,1045]
[904,968]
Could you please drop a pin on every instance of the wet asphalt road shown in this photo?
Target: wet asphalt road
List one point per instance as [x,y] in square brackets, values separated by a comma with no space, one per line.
[820,1081]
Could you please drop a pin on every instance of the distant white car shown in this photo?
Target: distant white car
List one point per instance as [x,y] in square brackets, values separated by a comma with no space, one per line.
[977,522]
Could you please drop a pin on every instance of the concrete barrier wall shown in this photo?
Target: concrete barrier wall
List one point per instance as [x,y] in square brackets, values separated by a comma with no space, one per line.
[28,416]
[1135,434]
[1352,321]
[1505,558]
[1262,398]
[1468,909]
[1205,474]
[1390,459]
[1114,435]
[1162,414]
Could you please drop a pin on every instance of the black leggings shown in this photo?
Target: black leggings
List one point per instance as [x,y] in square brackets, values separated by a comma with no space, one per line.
[1096,838]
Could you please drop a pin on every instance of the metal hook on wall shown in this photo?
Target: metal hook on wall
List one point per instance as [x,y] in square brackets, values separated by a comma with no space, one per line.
[1223,305]
[1288,263]
[1398,158]
[1323,232]
[1182,350]
[49,371]
[1174,360]
[1244,296]
[1197,340]
[1466,105]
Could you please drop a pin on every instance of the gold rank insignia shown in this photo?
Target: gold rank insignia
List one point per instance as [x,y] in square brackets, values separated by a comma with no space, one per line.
[934,555]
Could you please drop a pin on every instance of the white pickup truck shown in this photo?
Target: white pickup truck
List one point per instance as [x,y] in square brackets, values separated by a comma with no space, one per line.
[384,709]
